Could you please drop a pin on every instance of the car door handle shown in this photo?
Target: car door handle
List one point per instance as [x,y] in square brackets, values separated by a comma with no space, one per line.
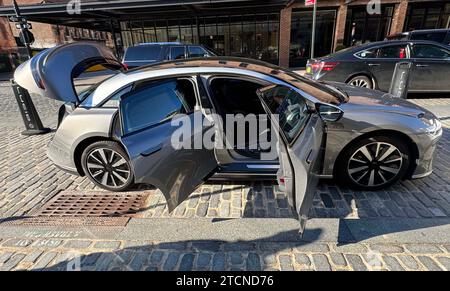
[421,65]
[151,151]
[374,65]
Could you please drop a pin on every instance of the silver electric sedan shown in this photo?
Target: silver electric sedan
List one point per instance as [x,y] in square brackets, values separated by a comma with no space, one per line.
[120,131]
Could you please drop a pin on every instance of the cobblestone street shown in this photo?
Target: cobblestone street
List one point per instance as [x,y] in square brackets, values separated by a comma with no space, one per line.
[28,181]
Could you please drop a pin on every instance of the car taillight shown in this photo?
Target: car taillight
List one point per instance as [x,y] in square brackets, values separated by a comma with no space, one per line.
[328,66]
[281,180]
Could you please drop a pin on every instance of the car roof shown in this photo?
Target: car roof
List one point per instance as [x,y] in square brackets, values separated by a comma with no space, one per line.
[429,30]
[221,65]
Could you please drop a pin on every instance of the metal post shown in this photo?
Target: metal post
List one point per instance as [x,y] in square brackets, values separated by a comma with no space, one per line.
[313,36]
[23,29]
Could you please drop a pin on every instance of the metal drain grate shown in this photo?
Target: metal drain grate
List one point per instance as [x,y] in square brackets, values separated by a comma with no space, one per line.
[95,204]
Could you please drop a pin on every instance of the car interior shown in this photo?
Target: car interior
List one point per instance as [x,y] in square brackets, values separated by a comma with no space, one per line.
[238,96]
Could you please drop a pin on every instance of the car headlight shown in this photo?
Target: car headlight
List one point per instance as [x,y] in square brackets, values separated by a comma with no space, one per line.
[433,124]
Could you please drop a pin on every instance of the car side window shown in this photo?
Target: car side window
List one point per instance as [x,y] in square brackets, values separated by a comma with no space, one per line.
[156,103]
[177,52]
[196,51]
[367,54]
[427,51]
[291,107]
[392,52]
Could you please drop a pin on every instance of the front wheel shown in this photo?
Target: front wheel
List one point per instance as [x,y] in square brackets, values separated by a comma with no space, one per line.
[107,166]
[373,163]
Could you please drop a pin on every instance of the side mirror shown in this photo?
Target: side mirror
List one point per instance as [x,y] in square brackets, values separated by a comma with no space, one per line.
[329,112]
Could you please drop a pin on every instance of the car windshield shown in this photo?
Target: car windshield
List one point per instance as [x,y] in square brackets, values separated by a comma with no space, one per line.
[143,53]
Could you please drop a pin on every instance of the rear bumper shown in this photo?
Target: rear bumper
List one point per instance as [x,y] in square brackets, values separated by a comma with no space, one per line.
[61,157]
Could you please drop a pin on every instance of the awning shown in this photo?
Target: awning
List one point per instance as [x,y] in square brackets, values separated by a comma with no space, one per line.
[99,15]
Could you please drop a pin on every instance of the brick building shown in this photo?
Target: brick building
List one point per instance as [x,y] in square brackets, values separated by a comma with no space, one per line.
[277,31]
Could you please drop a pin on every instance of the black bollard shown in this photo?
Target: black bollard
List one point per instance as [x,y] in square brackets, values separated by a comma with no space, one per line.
[400,80]
[33,124]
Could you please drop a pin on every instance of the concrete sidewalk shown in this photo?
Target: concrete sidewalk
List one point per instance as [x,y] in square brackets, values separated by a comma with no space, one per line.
[235,244]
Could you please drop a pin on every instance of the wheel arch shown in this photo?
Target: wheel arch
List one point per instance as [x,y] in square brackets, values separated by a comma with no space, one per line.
[81,146]
[412,146]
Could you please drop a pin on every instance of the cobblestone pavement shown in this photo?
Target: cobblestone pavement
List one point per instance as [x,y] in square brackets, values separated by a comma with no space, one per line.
[28,180]
[52,254]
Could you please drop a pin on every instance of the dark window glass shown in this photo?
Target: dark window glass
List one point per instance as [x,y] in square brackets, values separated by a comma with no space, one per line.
[392,52]
[196,51]
[143,53]
[291,108]
[177,52]
[155,103]
[425,51]
[433,36]
[368,54]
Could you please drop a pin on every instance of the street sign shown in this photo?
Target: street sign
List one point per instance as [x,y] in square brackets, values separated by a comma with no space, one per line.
[310,2]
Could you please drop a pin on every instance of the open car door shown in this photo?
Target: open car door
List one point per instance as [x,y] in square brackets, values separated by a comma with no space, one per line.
[163,138]
[300,150]
[51,72]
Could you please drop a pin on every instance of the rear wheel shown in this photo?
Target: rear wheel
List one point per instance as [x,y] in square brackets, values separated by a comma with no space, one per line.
[107,165]
[373,163]
[361,81]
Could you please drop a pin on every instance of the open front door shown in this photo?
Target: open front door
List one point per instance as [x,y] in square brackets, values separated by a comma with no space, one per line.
[165,148]
[299,145]
[51,72]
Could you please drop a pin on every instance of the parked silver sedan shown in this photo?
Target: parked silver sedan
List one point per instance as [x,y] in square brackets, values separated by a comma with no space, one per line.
[119,132]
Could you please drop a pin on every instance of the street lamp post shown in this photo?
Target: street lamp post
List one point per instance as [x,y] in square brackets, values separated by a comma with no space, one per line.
[313,36]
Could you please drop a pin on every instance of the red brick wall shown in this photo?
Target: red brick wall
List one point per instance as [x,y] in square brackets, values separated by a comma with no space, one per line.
[398,19]
[285,36]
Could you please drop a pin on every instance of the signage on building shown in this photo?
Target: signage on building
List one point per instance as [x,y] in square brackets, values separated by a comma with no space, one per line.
[310,2]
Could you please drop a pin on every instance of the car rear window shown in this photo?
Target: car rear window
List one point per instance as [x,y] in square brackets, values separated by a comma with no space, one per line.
[143,53]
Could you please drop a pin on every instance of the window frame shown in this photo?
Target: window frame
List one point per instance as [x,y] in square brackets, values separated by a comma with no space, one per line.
[160,81]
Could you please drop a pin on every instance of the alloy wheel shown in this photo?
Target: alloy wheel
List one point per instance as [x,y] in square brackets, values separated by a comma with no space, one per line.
[375,164]
[108,168]
[360,83]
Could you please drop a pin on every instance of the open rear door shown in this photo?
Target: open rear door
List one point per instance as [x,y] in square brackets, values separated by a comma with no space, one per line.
[160,156]
[299,145]
[51,72]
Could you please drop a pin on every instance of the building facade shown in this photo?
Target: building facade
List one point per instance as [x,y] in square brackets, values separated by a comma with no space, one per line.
[271,30]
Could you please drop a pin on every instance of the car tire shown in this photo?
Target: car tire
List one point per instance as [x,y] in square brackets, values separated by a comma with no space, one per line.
[373,163]
[107,165]
[361,81]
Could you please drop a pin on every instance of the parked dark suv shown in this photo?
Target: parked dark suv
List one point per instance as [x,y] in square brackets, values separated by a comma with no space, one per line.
[149,53]
[437,35]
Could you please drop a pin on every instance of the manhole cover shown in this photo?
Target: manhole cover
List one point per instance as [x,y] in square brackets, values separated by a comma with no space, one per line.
[95,204]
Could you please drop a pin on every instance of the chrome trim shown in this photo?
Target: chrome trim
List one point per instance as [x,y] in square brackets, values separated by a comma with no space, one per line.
[256,166]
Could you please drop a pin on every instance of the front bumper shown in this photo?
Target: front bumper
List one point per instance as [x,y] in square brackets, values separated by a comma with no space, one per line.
[427,152]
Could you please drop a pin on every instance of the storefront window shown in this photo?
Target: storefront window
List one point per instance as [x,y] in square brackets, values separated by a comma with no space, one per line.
[362,27]
[428,16]
[254,36]
[301,30]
